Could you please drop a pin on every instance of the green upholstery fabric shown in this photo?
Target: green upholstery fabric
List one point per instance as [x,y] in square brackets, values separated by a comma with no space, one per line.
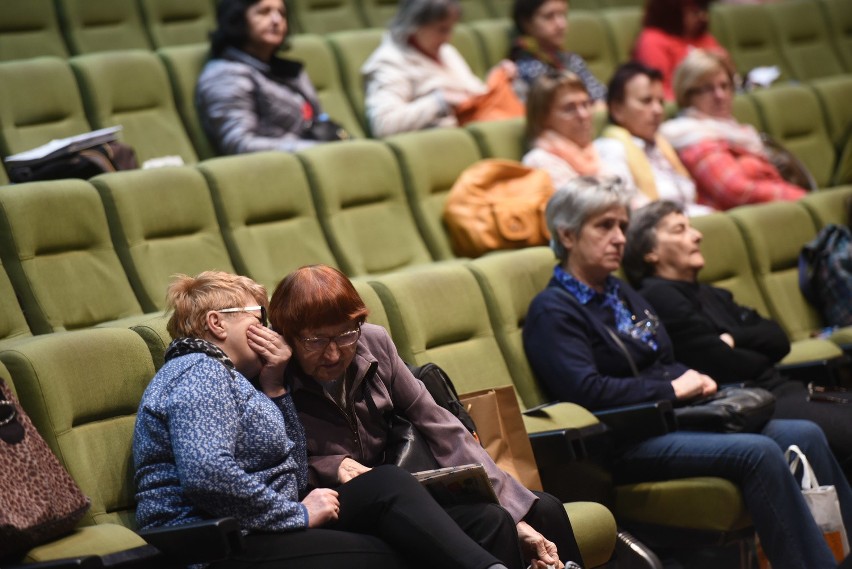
[266,214]
[431,161]
[378,13]
[745,111]
[494,39]
[475,10]
[834,94]
[838,14]
[704,503]
[464,39]
[55,245]
[39,101]
[351,49]
[178,23]
[595,530]
[82,389]
[12,321]
[828,206]
[102,25]
[358,190]
[500,139]
[803,132]
[746,32]
[372,301]
[316,54]
[29,28]
[588,36]
[152,329]
[623,24]
[804,40]
[503,8]
[131,88]
[325,16]
[183,64]
[87,540]
[162,223]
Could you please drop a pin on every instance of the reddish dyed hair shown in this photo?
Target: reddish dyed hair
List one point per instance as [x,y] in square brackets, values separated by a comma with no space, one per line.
[667,15]
[314,296]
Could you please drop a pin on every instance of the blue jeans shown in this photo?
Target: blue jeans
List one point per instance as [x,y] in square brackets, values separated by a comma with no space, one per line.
[756,464]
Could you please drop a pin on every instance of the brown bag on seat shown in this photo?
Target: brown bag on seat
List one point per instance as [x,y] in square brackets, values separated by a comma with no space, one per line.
[497,204]
[498,103]
[38,498]
[501,432]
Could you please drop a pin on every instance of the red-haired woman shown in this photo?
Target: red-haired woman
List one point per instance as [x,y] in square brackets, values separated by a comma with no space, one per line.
[670,30]
[340,361]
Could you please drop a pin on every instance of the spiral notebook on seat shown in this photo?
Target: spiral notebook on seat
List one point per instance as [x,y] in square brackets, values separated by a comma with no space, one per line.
[466,484]
[61,146]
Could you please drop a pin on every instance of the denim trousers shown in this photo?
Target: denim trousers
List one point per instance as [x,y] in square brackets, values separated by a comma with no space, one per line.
[756,464]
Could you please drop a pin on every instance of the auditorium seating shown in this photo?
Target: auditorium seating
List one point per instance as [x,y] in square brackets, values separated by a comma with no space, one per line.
[30,28]
[172,23]
[92,26]
[804,39]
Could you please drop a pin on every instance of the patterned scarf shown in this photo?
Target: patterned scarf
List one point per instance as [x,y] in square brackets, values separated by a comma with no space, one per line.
[183,346]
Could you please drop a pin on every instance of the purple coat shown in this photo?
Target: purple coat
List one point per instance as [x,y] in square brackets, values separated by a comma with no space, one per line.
[332,437]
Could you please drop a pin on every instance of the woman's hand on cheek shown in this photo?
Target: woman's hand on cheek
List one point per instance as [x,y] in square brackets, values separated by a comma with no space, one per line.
[275,354]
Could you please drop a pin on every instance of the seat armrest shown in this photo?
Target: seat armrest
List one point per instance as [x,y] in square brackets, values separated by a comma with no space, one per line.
[831,371]
[634,423]
[85,562]
[204,541]
[569,444]
[136,557]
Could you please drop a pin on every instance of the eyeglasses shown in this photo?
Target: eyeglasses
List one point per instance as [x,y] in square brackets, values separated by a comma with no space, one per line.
[342,340]
[725,87]
[264,321]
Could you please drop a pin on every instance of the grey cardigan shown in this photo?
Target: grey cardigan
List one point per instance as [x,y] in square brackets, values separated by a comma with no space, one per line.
[246,105]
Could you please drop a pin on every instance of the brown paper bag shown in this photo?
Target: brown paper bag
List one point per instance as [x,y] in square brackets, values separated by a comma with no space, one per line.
[502,433]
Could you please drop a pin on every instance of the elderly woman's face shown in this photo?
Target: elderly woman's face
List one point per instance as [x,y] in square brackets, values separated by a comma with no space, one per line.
[325,353]
[714,95]
[430,37]
[641,111]
[548,24]
[266,23]
[677,254]
[571,116]
[597,250]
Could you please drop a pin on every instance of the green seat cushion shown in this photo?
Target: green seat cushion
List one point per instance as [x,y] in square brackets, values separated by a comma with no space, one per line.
[811,350]
[87,540]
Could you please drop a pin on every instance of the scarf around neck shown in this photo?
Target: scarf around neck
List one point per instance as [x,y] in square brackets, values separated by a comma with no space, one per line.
[530,45]
[692,127]
[584,160]
[183,346]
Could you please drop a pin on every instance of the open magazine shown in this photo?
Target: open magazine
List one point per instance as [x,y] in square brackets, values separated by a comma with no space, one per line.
[62,146]
[458,484]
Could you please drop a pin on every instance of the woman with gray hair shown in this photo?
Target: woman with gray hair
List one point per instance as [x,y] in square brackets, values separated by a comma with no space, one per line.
[577,337]
[415,79]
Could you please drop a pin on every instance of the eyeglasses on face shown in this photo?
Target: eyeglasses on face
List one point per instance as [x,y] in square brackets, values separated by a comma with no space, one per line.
[262,319]
[343,340]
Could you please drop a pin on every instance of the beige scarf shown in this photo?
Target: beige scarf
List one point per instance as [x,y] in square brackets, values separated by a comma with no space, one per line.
[585,161]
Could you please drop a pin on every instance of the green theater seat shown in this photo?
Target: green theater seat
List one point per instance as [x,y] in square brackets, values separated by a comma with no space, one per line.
[30,28]
[804,39]
[102,25]
[178,23]
[351,50]
[746,32]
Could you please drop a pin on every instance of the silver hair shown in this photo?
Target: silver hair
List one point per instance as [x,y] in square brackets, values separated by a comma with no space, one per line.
[574,203]
[413,14]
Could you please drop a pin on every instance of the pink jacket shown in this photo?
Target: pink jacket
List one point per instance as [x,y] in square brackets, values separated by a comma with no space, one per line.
[331,436]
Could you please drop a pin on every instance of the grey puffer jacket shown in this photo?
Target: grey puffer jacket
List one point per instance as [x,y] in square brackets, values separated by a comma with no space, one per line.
[246,105]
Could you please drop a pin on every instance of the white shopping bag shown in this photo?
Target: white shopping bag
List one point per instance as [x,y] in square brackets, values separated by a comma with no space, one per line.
[823,503]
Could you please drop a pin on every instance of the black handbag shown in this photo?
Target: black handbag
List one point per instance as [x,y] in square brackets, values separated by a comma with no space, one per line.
[732,409]
[324,129]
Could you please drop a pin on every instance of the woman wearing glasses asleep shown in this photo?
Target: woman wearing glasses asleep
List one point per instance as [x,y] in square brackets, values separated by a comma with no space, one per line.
[346,374]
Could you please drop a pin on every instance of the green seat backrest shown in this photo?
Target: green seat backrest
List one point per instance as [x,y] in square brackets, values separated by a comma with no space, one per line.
[29,28]
[774,234]
[746,32]
[495,37]
[178,23]
[500,139]
[475,10]
[834,94]
[439,315]
[371,299]
[802,132]
[162,223]
[13,324]
[131,88]
[55,245]
[102,25]
[81,389]
[838,14]
[509,282]
[316,54]
[588,37]
[183,64]
[325,16]
[464,39]
[351,50]
[502,8]
[431,161]
[379,13]
[360,199]
[829,206]
[803,37]
[266,213]
[39,101]
[623,25]
[727,264]
[745,111]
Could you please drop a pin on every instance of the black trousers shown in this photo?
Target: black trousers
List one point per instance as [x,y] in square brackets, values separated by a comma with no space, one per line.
[387,520]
